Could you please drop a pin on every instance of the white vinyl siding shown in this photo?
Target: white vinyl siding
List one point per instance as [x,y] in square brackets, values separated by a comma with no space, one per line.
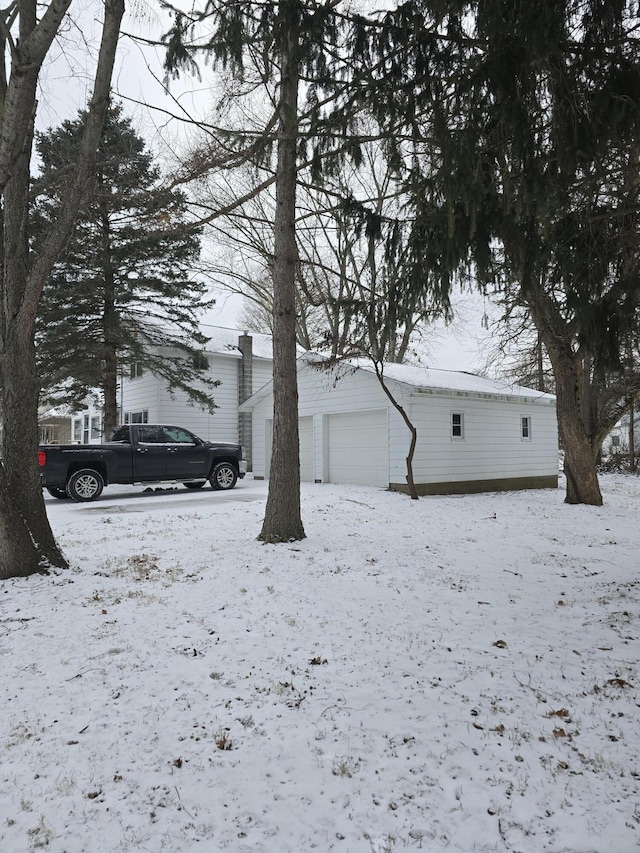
[139,395]
[262,373]
[345,438]
[492,447]
[150,392]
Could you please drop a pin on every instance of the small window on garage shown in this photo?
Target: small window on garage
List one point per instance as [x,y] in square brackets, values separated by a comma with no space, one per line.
[457,425]
[525,427]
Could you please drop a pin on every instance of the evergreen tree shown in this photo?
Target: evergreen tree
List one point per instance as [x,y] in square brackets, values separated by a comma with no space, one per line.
[123,287]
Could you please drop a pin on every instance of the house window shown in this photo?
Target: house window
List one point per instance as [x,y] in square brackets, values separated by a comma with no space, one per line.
[525,426]
[615,441]
[457,425]
[96,426]
[47,433]
[137,417]
[77,430]
[136,370]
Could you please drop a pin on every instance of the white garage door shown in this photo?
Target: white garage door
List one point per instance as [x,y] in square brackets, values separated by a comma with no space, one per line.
[305,429]
[359,448]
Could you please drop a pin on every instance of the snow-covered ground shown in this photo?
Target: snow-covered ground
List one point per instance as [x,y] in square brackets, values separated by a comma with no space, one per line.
[456,673]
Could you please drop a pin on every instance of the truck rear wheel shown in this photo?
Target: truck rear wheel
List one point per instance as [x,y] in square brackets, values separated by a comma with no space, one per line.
[85,485]
[224,476]
[55,492]
[196,484]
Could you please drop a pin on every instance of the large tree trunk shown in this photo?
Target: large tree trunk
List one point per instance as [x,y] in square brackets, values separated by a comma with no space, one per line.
[283,521]
[110,393]
[26,539]
[109,320]
[18,374]
[18,557]
[569,374]
[579,461]
[27,543]
[632,439]
[23,496]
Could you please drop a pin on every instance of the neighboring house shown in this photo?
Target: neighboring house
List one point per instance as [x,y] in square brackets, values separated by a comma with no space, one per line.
[54,425]
[241,361]
[474,434]
[617,442]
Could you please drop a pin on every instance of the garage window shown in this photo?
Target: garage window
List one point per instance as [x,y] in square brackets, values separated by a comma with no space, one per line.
[525,427]
[457,425]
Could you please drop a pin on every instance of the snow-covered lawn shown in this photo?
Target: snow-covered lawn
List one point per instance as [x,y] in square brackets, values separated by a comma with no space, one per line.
[456,673]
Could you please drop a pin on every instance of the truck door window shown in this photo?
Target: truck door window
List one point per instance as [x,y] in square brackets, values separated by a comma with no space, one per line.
[150,435]
[175,435]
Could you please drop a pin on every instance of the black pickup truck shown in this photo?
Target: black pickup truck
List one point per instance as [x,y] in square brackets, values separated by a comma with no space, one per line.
[139,453]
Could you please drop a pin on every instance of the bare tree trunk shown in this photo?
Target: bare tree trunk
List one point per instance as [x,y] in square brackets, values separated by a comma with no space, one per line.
[283,520]
[411,486]
[27,543]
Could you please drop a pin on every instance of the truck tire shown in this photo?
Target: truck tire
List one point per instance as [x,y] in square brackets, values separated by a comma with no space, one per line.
[224,476]
[85,485]
[55,492]
[198,484]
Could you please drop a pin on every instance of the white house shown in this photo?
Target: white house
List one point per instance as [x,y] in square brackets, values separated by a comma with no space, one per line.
[474,434]
[618,440]
[240,361]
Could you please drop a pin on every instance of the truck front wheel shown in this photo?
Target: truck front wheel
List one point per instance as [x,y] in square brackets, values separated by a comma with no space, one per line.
[223,476]
[85,485]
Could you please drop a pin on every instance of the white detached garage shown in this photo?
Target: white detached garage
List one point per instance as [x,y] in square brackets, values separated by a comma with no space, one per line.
[474,434]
